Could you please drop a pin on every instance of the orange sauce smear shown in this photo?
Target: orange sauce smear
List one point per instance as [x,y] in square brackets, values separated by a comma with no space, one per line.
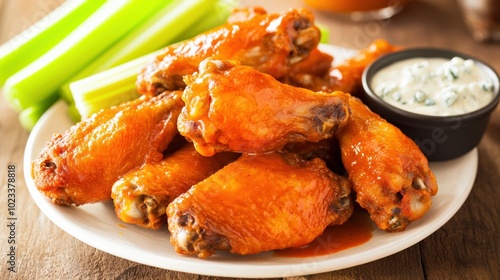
[356,231]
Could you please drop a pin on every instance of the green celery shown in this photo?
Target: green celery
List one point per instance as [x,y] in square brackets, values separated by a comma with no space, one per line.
[43,35]
[110,87]
[113,97]
[158,31]
[73,113]
[45,75]
[117,84]
[29,116]
[153,34]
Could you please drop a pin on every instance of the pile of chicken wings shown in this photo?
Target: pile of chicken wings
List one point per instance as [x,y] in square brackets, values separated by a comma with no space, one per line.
[245,139]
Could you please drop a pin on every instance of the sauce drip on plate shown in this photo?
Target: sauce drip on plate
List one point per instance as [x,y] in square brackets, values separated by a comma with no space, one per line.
[356,231]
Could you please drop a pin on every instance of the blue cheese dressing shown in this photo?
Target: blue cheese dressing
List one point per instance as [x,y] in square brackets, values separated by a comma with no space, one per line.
[434,86]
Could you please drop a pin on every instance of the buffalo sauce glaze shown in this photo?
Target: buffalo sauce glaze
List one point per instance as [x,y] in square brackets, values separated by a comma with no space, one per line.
[356,231]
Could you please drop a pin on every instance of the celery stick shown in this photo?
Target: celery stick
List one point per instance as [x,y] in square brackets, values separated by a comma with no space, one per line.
[28,117]
[117,84]
[114,97]
[43,35]
[95,85]
[73,113]
[157,32]
[108,88]
[46,74]
[153,34]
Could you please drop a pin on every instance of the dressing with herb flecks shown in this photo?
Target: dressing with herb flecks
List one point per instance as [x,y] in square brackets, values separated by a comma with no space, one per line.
[434,86]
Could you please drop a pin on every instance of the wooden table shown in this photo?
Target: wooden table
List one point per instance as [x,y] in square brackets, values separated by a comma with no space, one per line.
[467,247]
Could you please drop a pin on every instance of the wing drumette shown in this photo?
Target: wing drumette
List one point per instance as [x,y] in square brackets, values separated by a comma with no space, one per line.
[81,165]
[259,203]
[142,195]
[231,107]
[268,42]
[389,173]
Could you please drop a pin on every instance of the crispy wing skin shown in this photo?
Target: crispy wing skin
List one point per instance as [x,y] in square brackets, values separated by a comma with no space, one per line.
[142,195]
[389,173]
[259,203]
[81,165]
[268,42]
[232,107]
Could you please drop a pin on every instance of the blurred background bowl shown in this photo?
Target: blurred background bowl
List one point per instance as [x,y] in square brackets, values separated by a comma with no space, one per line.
[439,137]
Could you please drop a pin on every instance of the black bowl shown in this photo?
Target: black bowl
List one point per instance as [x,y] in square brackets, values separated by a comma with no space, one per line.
[439,137]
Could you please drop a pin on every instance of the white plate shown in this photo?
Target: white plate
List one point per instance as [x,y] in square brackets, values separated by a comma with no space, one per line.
[97,225]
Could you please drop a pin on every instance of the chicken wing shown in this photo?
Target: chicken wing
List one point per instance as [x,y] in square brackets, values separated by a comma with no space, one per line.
[142,195]
[310,73]
[389,173]
[268,42]
[344,77]
[232,107]
[81,165]
[259,203]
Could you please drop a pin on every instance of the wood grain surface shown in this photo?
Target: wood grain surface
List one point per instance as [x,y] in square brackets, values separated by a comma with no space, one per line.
[467,247]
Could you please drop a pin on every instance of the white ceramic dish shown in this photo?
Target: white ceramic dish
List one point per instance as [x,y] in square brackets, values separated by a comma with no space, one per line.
[97,225]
